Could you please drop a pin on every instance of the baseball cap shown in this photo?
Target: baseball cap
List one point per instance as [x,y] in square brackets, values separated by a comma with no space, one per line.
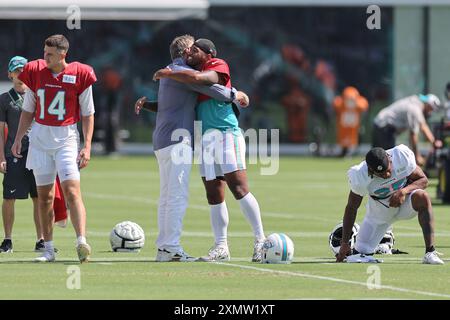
[206,46]
[377,160]
[432,100]
[16,62]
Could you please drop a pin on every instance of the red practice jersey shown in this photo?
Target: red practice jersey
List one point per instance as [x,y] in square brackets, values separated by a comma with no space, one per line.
[221,67]
[57,98]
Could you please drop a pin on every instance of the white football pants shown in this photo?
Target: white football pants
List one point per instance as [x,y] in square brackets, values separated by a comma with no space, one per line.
[174,193]
[378,220]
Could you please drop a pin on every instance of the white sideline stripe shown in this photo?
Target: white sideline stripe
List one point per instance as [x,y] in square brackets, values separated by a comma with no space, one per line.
[131,257]
[281,215]
[206,234]
[364,284]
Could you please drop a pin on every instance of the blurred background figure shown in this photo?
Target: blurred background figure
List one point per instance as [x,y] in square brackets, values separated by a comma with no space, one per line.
[407,114]
[297,104]
[349,107]
[295,101]
[447,100]
[108,111]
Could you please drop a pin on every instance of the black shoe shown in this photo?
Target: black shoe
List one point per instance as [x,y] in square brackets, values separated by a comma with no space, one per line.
[40,247]
[6,246]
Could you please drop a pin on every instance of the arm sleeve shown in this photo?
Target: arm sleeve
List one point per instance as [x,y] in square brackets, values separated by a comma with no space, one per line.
[407,158]
[88,78]
[216,91]
[86,100]
[29,101]
[26,76]
[354,179]
[219,66]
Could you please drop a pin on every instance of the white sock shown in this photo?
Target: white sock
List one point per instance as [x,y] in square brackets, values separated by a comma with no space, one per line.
[250,208]
[81,240]
[49,245]
[219,222]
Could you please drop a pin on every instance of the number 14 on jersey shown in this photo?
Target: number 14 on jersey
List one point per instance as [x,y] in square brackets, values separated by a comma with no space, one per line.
[56,107]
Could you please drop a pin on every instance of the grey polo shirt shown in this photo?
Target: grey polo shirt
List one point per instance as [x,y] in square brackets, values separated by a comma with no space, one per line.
[10,110]
[176,105]
[403,114]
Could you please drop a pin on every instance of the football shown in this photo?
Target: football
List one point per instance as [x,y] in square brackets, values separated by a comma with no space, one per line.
[127,236]
[278,248]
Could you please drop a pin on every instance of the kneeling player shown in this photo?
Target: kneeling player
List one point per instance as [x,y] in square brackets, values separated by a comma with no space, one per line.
[395,185]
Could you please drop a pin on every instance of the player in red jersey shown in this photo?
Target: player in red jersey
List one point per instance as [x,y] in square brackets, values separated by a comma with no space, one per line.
[60,94]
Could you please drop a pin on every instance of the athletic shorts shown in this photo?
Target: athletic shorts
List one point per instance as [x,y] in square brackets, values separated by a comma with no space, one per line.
[222,153]
[46,164]
[377,221]
[18,181]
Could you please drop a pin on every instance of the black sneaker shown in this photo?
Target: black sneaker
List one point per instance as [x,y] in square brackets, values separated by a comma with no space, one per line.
[40,247]
[6,246]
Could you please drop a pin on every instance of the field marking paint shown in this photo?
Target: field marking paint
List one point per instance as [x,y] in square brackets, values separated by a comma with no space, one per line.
[206,234]
[280,215]
[128,258]
[311,276]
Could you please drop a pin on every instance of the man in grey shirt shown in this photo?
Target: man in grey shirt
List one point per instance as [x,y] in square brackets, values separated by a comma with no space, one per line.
[173,134]
[18,181]
[409,113]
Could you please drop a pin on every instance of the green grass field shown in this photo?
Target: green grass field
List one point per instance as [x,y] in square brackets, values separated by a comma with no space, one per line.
[305,200]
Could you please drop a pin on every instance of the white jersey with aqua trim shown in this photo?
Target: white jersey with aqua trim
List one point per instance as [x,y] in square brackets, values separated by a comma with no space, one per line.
[403,164]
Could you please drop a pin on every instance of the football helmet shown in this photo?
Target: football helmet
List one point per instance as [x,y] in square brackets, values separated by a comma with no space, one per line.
[336,235]
[386,244]
[277,248]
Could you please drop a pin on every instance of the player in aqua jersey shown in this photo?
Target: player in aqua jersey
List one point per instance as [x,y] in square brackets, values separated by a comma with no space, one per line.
[173,131]
[395,185]
[223,148]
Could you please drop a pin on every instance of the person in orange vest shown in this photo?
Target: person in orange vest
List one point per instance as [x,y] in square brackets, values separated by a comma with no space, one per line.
[349,107]
[297,104]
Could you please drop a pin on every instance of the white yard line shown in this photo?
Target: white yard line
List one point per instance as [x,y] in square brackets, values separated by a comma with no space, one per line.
[331,279]
[280,215]
[207,234]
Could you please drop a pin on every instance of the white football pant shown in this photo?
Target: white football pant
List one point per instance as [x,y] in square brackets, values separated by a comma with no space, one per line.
[174,193]
[378,220]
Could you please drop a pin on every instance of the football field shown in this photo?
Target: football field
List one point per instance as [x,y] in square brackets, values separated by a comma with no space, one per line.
[305,200]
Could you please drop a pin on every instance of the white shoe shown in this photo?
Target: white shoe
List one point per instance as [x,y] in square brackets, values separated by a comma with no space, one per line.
[216,253]
[257,250]
[84,252]
[47,256]
[432,258]
[362,258]
[176,256]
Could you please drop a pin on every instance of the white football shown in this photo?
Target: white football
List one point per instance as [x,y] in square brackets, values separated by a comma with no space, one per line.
[127,236]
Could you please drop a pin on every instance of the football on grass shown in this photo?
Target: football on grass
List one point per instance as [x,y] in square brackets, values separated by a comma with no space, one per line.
[127,236]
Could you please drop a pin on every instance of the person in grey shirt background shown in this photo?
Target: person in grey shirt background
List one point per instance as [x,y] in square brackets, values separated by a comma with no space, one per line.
[409,113]
[176,111]
[18,181]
